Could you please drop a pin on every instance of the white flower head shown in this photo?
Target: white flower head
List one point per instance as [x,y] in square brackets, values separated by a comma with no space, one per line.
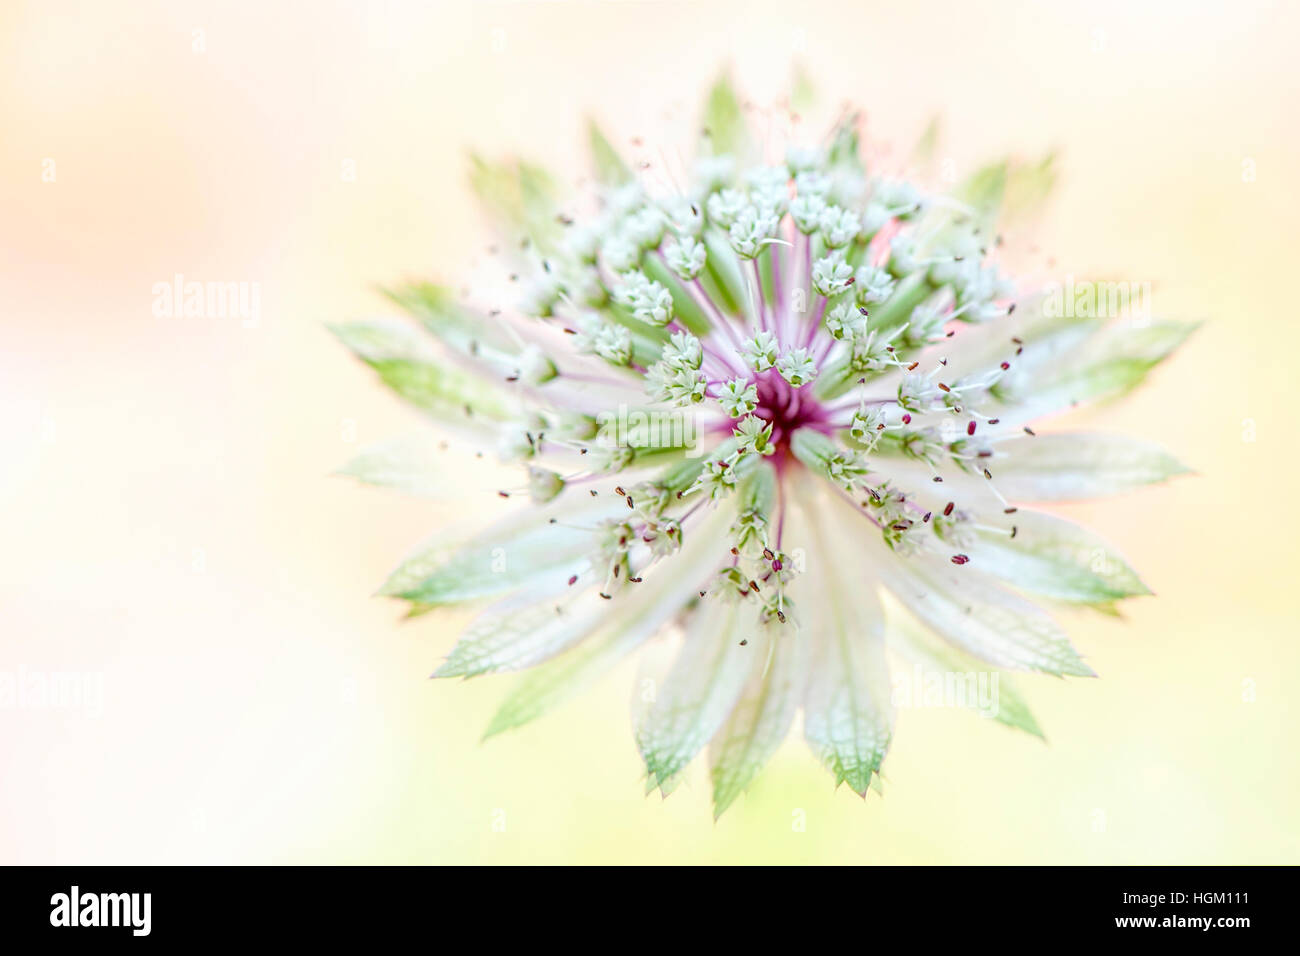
[685,218]
[871,352]
[831,274]
[645,227]
[751,229]
[625,199]
[754,434]
[813,182]
[686,257]
[801,159]
[620,253]
[845,320]
[725,206]
[797,366]
[605,339]
[838,226]
[925,326]
[806,210]
[683,385]
[582,241]
[648,299]
[899,197]
[956,260]
[738,397]
[918,393]
[868,425]
[873,284]
[714,172]
[683,351]
[760,350]
[768,179]
[874,217]
[902,255]
[542,293]
[691,427]
[584,287]
[543,484]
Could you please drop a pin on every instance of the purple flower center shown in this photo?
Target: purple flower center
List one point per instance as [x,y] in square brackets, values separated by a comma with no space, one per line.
[788,409]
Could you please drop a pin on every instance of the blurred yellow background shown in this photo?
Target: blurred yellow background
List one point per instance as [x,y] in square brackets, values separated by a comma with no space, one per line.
[169,522]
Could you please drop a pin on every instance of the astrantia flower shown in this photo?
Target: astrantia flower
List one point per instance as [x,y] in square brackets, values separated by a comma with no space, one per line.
[783,418]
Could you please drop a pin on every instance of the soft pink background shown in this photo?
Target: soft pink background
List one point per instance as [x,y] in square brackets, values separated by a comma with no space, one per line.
[168,522]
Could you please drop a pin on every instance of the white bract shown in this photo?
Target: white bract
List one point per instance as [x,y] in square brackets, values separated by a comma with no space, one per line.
[783,415]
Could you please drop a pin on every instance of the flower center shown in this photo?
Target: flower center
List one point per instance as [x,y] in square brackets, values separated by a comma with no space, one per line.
[788,409]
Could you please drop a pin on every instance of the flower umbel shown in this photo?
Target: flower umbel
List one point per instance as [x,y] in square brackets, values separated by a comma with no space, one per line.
[784,418]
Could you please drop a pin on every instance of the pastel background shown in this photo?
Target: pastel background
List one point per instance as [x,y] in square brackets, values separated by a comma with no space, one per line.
[169,523]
